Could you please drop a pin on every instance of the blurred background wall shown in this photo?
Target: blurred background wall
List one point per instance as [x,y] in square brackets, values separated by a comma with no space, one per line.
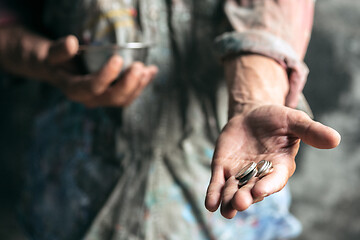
[325,187]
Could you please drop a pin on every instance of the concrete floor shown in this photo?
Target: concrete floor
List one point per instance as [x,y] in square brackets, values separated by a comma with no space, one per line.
[326,196]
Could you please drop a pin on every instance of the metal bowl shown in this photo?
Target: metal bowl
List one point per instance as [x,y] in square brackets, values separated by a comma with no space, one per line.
[95,57]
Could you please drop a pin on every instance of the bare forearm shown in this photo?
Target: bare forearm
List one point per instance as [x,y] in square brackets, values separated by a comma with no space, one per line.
[277,29]
[253,80]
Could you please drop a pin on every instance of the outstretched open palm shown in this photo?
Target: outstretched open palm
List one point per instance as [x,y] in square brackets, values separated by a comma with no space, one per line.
[270,132]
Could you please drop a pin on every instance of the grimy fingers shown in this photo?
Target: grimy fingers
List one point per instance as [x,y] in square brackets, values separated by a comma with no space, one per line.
[87,87]
[274,181]
[101,80]
[124,91]
[149,75]
[63,50]
[230,189]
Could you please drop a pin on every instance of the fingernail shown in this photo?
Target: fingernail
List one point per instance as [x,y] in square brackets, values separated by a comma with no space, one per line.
[338,136]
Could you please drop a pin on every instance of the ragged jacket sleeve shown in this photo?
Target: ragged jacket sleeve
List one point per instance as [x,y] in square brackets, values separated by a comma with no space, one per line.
[279,29]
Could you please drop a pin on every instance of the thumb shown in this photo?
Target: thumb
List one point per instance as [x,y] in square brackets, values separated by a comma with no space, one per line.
[311,132]
[63,50]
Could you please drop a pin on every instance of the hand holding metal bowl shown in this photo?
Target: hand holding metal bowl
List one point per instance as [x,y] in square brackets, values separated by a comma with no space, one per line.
[115,85]
[95,56]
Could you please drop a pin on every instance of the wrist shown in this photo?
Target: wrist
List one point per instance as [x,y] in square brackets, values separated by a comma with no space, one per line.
[254,80]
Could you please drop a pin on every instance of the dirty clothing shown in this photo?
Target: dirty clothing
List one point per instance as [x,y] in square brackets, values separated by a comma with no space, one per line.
[141,172]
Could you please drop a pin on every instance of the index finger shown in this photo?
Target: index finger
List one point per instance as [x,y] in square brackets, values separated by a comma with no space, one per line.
[123,90]
[92,85]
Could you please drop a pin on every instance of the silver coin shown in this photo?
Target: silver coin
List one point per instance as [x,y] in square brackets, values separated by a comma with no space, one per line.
[266,172]
[250,175]
[244,180]
[245,170]
[261,166]
[264,167]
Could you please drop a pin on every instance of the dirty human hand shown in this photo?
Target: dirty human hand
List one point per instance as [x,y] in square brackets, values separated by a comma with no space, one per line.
[27,54]
[259,127]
